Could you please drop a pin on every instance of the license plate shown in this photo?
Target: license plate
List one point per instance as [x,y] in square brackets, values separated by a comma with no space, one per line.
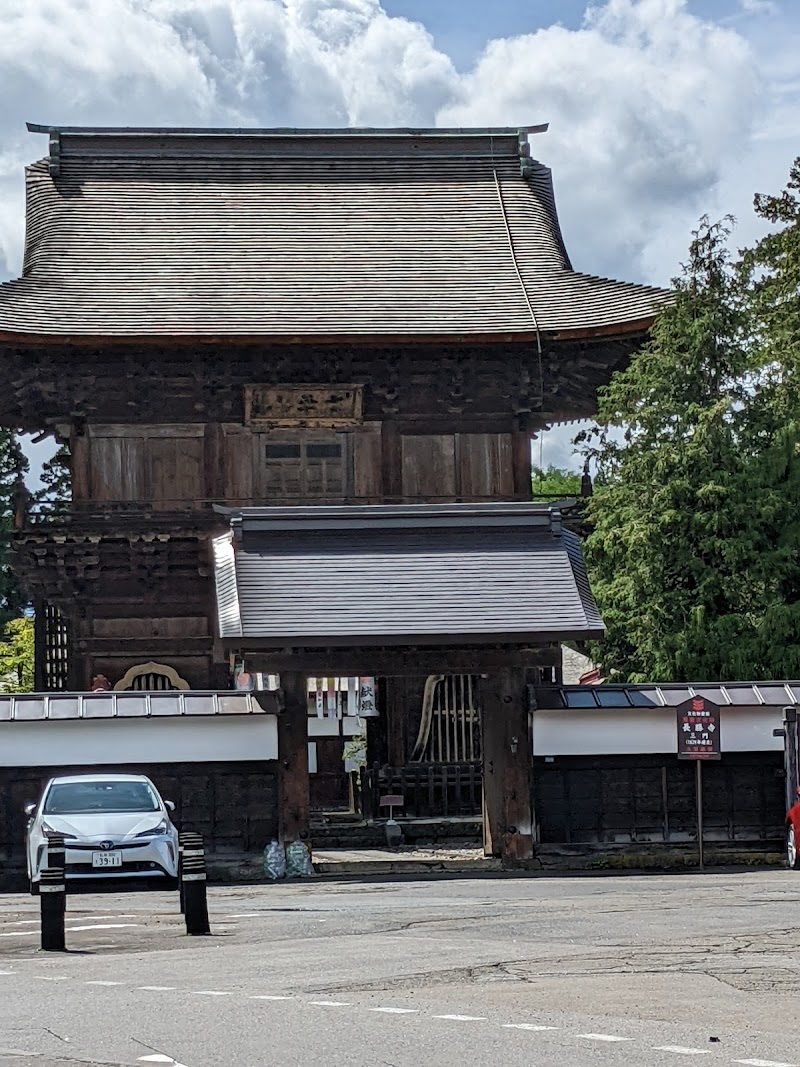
[106,859]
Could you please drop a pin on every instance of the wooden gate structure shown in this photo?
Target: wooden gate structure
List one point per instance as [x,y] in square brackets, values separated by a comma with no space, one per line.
[268,319]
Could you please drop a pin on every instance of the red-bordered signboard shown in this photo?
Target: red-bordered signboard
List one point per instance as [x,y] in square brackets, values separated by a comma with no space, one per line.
[698,729]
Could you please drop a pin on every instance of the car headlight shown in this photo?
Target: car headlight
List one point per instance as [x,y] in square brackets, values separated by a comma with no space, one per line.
[48,831]
[157,831]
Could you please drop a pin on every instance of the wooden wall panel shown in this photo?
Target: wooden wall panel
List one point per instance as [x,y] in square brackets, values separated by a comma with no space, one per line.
[117,468]
[176,472]
[367,460]
[429,470]
[180,466]
[485,466]
[162,465]
[651,798]
[239,465]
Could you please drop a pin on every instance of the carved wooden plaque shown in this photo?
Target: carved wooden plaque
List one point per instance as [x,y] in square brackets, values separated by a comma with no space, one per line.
[302,405]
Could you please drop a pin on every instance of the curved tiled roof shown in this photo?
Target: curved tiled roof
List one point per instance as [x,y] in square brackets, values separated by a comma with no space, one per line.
[390,571]
[295,234]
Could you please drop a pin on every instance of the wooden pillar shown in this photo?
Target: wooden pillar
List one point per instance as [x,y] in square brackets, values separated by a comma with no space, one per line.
[39,646]
[404,695]
[507,766]
[293,795]
[521,459]
[213,463]
[391,461]
[80,465]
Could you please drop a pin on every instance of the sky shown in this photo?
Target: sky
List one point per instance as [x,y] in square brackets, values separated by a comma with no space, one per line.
[659,110]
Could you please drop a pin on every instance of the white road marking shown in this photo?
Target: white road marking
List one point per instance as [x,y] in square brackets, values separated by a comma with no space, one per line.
[104,983]
[52,977]
[212,993]
[7,972]
[463,1018]
[397,1011]
[331,1003]
[682,1050]
[765,1063]
[266,996]
[603,1037]
[21,933]
[247,915]
[100,918]
[102,926]
[157,988]
[527,1026]
[159,1058]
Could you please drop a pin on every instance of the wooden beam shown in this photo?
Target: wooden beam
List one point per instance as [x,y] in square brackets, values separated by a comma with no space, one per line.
[399,662]
[507,766]
[141,646]
[293,795]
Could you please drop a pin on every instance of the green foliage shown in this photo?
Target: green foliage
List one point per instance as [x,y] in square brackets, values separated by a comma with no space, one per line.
[673,548]
[55,495]
[13,467]
[695,550]
[771,274]
[555,483]
[16,656]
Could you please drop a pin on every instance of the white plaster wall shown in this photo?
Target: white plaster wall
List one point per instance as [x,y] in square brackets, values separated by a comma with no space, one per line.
[349,726]
[192,739]
[627,731]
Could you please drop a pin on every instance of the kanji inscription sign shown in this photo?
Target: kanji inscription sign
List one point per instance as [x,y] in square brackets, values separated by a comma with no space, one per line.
[266,406]
[698,729]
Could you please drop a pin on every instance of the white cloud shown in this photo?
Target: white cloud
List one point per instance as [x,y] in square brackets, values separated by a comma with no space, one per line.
[646,102]
[759,7]
[204,62]
[652,109]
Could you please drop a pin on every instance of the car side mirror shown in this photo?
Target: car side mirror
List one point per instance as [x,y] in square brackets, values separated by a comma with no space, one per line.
[169,805]
[30,809]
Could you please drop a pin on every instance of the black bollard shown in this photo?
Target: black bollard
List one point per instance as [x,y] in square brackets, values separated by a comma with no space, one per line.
[194,843]
[193,881]
[180,873]
[57,861]
[51,895]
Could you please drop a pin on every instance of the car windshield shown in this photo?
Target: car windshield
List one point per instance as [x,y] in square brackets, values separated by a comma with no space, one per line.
[82,798]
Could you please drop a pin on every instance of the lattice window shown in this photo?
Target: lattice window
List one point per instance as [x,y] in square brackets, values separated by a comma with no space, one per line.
[307,465]
[53,643]
[450,727]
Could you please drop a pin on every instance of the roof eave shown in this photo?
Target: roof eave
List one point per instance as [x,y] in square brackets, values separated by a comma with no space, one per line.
[289,131]
[611,332]
[437,640]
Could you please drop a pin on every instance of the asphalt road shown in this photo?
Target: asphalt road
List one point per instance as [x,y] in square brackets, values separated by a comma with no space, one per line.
[605,971]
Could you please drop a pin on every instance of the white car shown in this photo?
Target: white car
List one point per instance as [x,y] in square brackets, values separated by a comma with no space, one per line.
[114,825]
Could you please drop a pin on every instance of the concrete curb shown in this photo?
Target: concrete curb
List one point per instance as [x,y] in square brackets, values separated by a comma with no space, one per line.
[367,867]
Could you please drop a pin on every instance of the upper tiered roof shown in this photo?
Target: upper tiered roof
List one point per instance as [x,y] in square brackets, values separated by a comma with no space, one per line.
[302,234]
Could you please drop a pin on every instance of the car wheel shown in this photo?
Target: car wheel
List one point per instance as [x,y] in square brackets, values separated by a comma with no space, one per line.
[792,851]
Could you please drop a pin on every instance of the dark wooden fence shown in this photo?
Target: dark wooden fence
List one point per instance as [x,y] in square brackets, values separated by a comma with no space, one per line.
[625,799]
[429,790]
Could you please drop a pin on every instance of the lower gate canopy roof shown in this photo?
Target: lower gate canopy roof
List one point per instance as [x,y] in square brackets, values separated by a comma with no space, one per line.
[401,575]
